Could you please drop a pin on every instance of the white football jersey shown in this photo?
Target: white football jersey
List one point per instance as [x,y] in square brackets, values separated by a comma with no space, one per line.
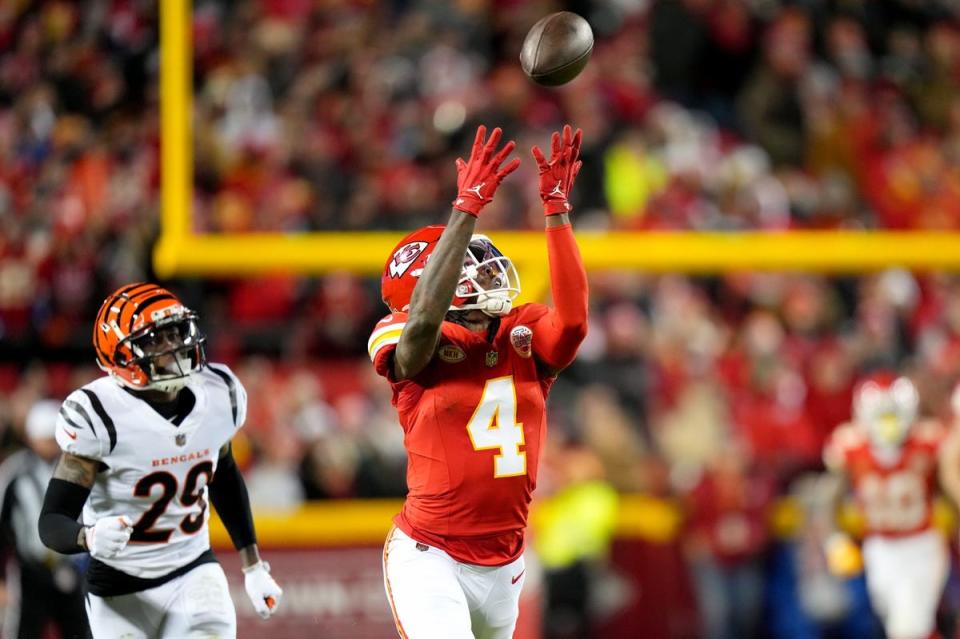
[156,472]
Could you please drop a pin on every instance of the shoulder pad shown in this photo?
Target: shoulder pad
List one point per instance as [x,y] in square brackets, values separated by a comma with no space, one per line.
[235,390]
[386,333]
[84,427]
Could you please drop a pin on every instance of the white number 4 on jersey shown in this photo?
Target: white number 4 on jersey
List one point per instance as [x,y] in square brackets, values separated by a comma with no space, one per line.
[494,426]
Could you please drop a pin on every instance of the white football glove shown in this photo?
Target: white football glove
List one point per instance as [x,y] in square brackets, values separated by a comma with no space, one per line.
[263,591]
[107,537]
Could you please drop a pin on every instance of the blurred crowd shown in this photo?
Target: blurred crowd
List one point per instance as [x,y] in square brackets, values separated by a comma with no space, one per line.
[348,115]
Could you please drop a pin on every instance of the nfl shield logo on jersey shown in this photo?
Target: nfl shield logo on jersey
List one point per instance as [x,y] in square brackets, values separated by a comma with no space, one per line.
[492,359]
[181,439]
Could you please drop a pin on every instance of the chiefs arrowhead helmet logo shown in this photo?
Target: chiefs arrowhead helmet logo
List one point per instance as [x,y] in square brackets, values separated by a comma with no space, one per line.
[404,256]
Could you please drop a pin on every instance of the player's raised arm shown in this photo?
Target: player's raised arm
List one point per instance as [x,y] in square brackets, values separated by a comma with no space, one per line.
[477,181]
[560,332]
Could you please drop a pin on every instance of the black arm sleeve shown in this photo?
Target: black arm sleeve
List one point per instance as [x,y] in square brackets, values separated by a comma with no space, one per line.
[228,492]
[62,505]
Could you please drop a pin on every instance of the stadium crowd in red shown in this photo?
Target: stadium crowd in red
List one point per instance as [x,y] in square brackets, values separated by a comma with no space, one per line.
[332,116]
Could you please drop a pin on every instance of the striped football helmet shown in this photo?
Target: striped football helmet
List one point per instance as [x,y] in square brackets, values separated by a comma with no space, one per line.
[146,339]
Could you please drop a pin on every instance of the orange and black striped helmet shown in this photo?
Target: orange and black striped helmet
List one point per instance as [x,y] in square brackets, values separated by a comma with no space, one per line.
[146,339]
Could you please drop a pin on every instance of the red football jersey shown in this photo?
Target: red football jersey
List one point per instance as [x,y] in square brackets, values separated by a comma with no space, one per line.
[474,421]
[896,497]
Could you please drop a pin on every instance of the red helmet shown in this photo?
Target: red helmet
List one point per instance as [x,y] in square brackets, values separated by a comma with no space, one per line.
[488,280]
[886,406]
[146,339]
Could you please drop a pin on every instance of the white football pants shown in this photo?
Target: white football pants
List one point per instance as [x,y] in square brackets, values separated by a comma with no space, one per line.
[434,596]
[193,605]
[905,579]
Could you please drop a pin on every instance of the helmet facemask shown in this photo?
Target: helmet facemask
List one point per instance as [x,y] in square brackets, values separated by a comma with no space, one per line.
[887,413]
[488,282]
[167,351]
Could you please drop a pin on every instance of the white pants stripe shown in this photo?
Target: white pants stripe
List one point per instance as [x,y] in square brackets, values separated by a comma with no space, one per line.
[433,596]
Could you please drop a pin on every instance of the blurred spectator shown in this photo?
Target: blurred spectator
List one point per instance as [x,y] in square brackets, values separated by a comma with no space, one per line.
[573,528]
[770,108]
[727,533]
[42,587]
[273,484]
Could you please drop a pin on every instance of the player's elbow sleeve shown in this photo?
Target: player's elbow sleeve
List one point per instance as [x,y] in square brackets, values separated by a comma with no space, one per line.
[58,525]
[575,332]
[59,534]
[563,349]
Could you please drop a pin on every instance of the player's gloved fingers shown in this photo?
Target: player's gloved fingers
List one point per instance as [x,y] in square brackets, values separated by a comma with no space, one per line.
[508,169]
[503,153]
[540,159]
[567,135]
[272,599]
[478,142]
[577,140]
[461,165]
[573,175]
[554,145]
[492,143]
[560,162]
[260,607]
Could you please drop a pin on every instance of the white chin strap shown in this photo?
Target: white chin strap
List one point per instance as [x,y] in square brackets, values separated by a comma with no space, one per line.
[494,305]
[174,384]
[170,385]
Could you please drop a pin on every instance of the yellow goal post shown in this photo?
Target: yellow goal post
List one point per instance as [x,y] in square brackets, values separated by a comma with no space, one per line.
[181,252]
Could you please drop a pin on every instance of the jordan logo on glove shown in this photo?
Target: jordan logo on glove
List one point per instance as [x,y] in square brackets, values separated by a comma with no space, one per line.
[557,190]
[476,189]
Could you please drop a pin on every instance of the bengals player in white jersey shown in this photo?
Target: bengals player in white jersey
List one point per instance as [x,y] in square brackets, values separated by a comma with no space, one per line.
[144,449]
[890,458]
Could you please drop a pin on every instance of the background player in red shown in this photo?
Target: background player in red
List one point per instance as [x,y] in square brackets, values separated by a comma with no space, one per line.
[470,376]
[890,458]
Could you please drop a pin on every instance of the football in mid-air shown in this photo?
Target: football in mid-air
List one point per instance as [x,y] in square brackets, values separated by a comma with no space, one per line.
[556,48]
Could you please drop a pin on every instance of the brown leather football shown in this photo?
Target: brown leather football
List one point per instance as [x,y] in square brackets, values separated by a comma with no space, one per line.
[556,48]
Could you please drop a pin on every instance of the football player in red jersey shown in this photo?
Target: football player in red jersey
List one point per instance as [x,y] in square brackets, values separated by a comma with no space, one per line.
[891,460]
[470,375]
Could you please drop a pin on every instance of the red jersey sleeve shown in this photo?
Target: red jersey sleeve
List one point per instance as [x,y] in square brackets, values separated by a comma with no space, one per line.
[383,340]
[559,331]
